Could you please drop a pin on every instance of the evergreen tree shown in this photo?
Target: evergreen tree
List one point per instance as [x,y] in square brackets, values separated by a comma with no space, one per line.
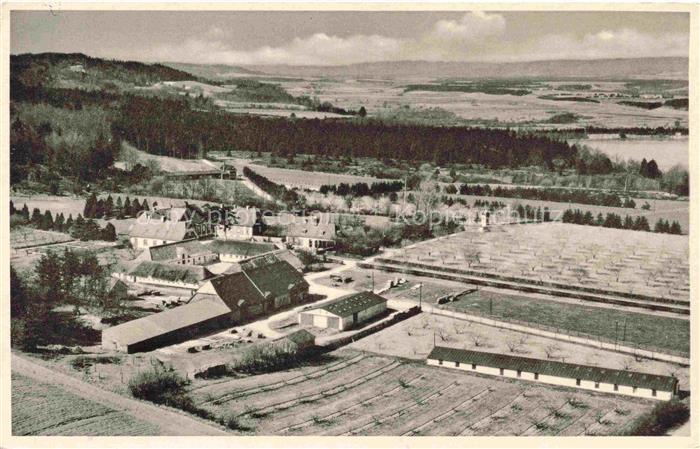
[99,209]
[18,295]
[145,206]
[12,208]
[90,209]
[126,209]
[36,217]
[59,222]
[119,208]
[109,233]
[599,220]
[48,272]
[46,221]
[69,223]
[25,212]
[629,222]
[675,228]
[108,207]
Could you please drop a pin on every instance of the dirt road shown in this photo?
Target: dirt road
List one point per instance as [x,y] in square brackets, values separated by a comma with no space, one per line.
[170,422]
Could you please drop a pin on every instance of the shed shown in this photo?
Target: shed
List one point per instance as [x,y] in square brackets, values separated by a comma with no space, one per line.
[345,312]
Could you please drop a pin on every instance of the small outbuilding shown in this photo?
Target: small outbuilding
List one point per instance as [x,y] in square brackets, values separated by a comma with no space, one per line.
[345,312]
[604,380]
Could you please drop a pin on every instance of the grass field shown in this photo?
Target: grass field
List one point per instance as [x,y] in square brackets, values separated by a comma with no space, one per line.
[358,393]
[56,204]
[28,237]
[43,409]
[610,259]
[625,327]
[307,179]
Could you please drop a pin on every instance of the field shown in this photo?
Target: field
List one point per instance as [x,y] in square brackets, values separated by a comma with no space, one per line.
[381,96]
[609,259]
[358,393]
[43,409]
[307,179]
[414,339]
[131,156]
[666,152]
[26,237]
[67,205]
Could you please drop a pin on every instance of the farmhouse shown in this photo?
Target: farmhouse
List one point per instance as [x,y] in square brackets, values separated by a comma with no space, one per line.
[261,285]
[593,378]
[169,327]
[312,235]
[168,225]
[241,224]
[345,312]
[169,275]
[236,250]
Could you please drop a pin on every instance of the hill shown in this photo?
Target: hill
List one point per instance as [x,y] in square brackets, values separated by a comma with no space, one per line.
[76,70]
[632,68]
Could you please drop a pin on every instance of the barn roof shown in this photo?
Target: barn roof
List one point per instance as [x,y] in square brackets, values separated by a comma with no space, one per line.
[356,302]
[554,368]
[241,248]
[168,251]
[168,321]
[259,279]
[172,272]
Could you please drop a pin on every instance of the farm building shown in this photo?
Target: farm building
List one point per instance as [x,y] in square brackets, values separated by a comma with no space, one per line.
[241,224]
[169,275]
[186,252]
[169,327]
[260,285]
[236,250]
[593,378]
[312,235]
[345,312]
[297,340]
[116,289]
[168,225]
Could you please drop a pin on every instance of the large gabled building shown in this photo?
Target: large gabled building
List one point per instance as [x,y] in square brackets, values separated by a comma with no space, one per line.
[594,378]
[168,225]
[345,312]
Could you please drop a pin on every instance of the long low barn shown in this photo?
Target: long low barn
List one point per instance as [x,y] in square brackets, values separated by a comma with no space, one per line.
[345,312]
[631,383]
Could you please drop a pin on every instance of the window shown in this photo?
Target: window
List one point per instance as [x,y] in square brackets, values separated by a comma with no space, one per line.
[439,362]
[653,393]
[500,370]
[578,382]
[615,387]
[520,373]
[537,376]
[456,364]
[597,384]
[473,365]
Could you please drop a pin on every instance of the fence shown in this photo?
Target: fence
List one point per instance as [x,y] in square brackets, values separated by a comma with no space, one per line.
[530,288]
[399,316]
[569,336]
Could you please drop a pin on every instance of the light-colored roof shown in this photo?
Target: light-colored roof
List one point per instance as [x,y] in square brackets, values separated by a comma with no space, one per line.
[554,368]
[170,213]
[168,230]
[355,302]
[244,216]
[167,321]
[172,272]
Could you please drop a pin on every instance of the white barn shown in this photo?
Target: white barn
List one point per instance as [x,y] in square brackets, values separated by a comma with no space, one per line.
[605,380]
[345,312]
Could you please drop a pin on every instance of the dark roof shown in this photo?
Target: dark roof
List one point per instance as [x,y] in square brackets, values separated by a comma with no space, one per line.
[241,248]
[168,230]
[172,272]
[167,321]
[259,279]
[554,368]
[169,251]
[349,304]
[312,230]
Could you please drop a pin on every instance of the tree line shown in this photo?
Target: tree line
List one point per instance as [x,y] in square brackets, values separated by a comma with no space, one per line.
[169,127]
[362,188]
[108,208]
[80,228]
[558,195]
[291,198]
[612,220]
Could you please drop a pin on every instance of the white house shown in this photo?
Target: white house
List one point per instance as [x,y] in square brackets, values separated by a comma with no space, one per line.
[235,251]
[312,235]
[242,224]
[605,380]
[345,312]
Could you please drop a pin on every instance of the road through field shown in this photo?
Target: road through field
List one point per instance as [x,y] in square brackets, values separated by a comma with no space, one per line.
[169,422]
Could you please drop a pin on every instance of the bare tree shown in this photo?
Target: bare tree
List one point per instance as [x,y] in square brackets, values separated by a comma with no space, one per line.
[478,340]
[471,255]
[551,351]
[513,345]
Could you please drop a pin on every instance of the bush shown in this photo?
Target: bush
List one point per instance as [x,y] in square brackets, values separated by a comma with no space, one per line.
[662,417]
[157,385]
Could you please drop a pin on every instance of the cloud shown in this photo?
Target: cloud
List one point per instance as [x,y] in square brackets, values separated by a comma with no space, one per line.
[475,36]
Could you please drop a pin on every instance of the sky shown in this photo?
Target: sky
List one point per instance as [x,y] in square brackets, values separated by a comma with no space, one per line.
[336,38]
